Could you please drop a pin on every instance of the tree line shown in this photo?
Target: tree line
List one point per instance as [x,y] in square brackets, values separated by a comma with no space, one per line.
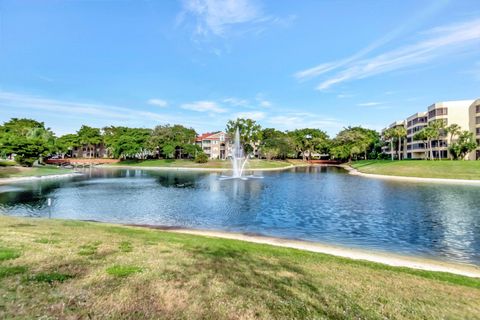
[30,140]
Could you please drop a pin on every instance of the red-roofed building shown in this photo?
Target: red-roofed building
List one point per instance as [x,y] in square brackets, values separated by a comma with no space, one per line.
[215,144]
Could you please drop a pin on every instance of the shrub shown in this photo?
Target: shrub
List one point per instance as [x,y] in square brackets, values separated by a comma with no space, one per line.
[201,158]
[25,161]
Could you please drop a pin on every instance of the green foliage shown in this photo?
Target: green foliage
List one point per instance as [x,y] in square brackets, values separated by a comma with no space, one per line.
[8,254]
[465,144]
[276,144]
[250,133]
[89,249]
[352,142]
[123,271]
[201,158]
[306,141]
[123,142]
[168,139]
[66,143]
[28,139]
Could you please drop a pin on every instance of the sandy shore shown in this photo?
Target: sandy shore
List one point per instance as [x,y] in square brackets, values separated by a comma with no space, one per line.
[355,172]
[355,254]
[37,178]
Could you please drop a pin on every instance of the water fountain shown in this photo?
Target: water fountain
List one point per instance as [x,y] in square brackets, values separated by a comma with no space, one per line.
[239,161]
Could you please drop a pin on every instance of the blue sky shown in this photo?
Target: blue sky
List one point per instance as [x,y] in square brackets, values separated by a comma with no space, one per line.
[287,64]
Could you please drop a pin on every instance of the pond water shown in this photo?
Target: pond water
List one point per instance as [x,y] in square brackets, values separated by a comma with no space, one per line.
[322,204]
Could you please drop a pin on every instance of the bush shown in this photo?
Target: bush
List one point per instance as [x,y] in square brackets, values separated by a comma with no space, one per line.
[25,161]
[201,158]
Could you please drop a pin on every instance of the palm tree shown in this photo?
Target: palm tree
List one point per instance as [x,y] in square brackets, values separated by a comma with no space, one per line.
[454,130]
[430,134]
[438,126]
[388,136]
[421,136]
[400,133]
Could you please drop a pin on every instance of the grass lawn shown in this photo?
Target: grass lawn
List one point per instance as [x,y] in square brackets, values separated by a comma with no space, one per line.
[213,164]
[16,172]
[53,269]
[7,163]
[447,169]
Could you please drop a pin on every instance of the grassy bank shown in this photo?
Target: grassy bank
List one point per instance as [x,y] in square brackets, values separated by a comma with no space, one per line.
[17,172]
[211,164]
[63,269]
[447,169]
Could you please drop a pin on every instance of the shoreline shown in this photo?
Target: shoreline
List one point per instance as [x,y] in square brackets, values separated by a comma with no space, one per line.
[390,259]
[37,178]
[194,169]
[356,172]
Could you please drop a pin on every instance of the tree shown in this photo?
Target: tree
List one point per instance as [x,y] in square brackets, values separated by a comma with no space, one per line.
[400,133]
[123,142]
[307,140]
[354,141]
[421,136]
[164,138]
[250,133]
[465,144]
[430,133]
[453,130]
[27,139]
[438,128]
[388,135]
[275,144]
[91,137]
[66,143]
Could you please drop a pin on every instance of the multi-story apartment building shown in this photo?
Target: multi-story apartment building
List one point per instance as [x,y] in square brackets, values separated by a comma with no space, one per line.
[216,145]
[415,123]
[465,113]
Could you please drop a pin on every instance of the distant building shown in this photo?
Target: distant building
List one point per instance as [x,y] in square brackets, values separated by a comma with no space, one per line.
[85,151]
[216,145]
[465,113]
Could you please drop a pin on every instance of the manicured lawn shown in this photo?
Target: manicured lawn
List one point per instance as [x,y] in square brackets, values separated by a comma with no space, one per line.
[15,171]
[213,164]
[70,270]
[448,169]
[7,163]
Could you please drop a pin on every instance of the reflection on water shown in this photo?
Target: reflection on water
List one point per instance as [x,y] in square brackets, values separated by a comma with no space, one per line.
[315,203]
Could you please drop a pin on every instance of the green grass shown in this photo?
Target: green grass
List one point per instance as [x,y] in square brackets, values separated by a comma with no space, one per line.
[7,163]
[447,169]
[178,276]
[211,164]
[8,254]
[17,172]
[123,271]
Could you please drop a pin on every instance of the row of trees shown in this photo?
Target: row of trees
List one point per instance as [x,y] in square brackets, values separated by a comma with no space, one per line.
[30,140]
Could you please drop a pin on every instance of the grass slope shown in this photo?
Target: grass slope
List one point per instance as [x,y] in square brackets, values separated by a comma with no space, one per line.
[469,170]
[213,164]
[17,172]
[67,269]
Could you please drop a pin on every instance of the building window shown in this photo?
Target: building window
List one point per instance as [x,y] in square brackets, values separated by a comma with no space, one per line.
[438,112]
[478,108]
[478,131]
[477,120]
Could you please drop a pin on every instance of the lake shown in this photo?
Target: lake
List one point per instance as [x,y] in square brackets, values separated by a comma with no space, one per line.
[323,204]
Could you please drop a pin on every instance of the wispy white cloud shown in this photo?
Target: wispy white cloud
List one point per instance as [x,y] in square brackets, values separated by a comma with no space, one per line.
[157,102]
[369,104]
[216,16]
[203,106]
[436,43]
[236,102]
[254,115]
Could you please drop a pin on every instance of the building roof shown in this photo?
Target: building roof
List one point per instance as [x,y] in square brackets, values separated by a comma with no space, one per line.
[209,136]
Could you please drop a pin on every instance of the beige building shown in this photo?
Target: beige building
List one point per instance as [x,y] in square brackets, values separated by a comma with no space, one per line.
[386,149]
[216,145]
[465,113]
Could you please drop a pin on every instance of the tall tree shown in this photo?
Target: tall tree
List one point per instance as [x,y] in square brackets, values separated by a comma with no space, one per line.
[66,143]
[389,135]
[465,144]
[400,133]
[452,130]
[354,141]
[123,142]
[250,133]
[308,140]
[27,139]
[167,140]
[90,137]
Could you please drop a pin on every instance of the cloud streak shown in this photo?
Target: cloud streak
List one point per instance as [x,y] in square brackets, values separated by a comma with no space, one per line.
[158,102]
[203,106]
[435,43]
